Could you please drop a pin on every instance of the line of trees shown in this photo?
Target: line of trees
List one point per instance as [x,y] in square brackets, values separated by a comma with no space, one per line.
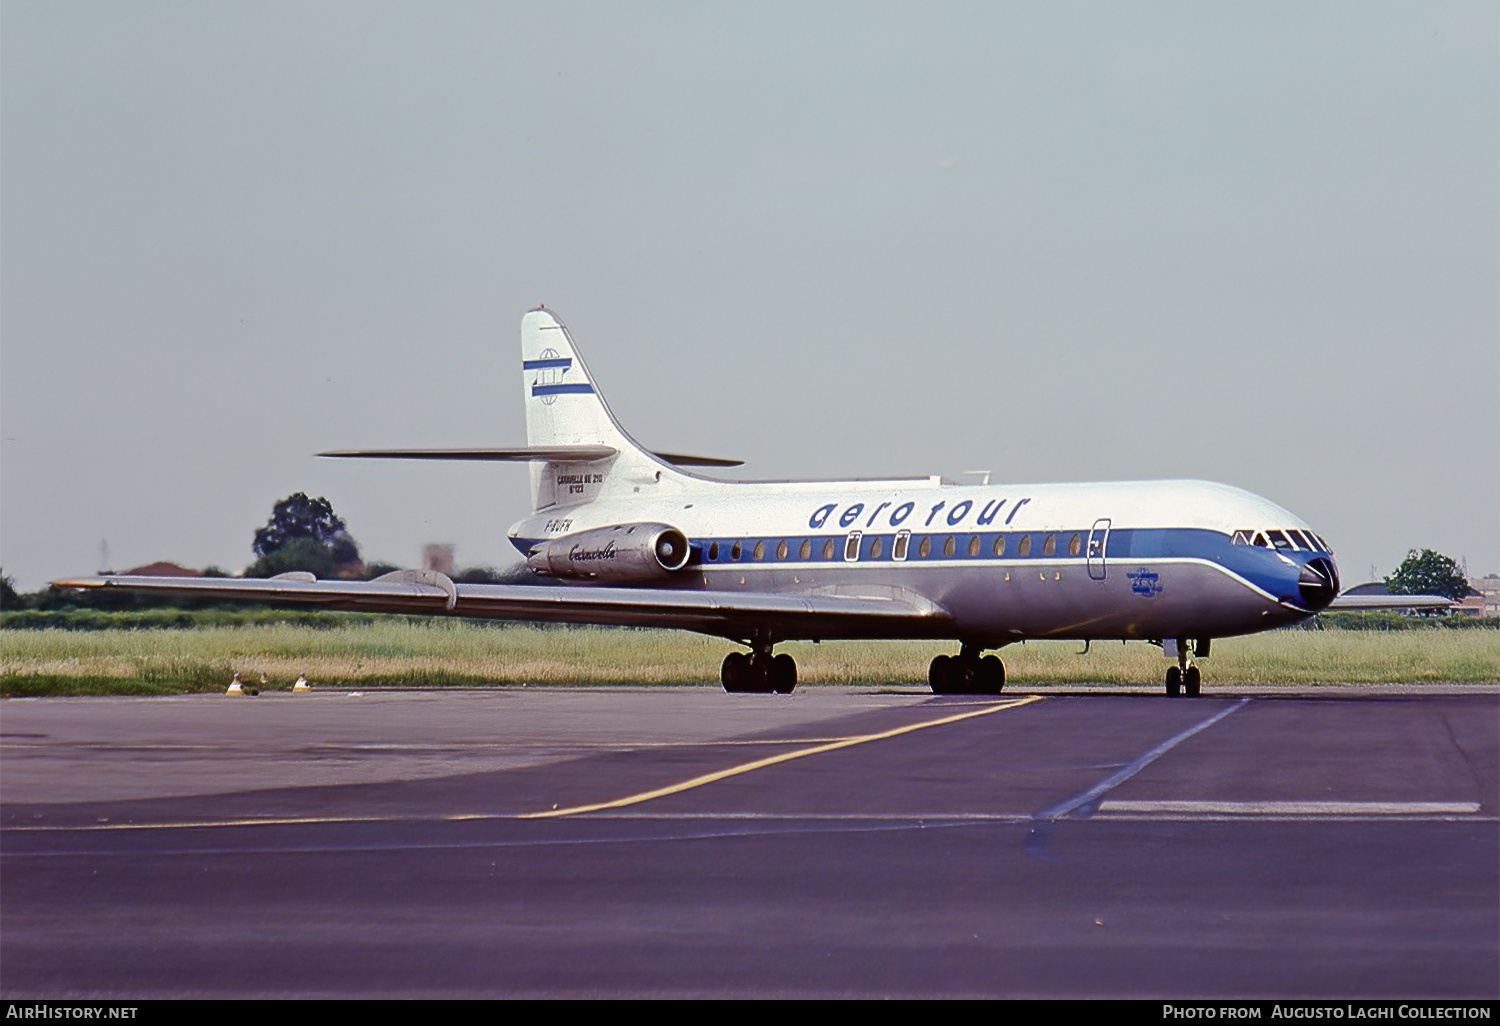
[302,533]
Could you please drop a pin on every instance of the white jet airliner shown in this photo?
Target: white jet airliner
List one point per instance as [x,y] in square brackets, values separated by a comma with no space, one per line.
[623,536]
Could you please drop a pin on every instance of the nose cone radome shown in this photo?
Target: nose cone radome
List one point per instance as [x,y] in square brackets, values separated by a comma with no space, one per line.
[1318,583]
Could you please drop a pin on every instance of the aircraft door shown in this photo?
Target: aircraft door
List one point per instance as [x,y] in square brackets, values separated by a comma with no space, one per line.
[1098,539]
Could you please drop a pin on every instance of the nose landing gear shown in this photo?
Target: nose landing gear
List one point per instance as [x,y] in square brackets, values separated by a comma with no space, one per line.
[1184,677]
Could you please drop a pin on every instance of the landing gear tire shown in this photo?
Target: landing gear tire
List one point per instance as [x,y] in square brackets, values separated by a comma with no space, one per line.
[783,674]
[1191,679]
[758,673]
[937,675]
[966,675]
[991,675]
[1174,681]
[735,673]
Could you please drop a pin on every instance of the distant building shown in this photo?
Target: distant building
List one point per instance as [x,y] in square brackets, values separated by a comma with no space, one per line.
[1488,589]
[1377,588]
[439,558]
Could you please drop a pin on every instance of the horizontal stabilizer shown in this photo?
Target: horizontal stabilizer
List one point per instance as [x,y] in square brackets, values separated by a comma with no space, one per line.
[528,454]
[524,454]
[696,461]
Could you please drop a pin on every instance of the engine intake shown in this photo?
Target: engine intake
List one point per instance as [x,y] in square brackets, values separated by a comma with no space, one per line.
[626,553]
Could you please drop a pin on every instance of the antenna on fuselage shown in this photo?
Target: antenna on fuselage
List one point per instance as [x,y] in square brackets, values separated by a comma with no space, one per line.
[984,476]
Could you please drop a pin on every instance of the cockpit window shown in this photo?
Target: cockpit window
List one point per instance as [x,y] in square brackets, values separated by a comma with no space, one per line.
[1241,537]
[1279,540]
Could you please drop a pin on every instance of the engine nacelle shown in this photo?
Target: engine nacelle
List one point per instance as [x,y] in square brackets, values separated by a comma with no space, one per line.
[630,553]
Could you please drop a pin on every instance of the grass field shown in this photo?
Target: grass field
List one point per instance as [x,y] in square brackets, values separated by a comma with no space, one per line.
[438,653]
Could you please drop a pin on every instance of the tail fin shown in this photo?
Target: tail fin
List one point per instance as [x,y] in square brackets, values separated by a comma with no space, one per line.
[564,408]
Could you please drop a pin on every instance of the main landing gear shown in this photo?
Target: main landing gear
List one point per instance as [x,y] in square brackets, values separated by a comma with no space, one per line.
[1184,677]
[759,672]
[966,673]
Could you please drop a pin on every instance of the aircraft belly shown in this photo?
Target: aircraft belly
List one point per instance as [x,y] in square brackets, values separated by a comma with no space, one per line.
[1042,599]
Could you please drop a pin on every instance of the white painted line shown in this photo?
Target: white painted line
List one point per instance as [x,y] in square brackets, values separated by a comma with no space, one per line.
[1115,780]
[1320,808]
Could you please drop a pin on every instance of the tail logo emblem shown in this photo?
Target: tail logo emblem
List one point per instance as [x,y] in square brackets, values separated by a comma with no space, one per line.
[549,384]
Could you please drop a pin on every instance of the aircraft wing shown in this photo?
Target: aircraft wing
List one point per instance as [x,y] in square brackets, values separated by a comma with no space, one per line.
[1346,603]
[889,612]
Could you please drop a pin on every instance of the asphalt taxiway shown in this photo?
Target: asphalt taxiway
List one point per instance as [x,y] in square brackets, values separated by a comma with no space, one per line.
[684,842]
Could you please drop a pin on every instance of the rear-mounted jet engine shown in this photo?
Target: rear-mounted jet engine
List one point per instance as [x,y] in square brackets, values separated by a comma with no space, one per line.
[627,553]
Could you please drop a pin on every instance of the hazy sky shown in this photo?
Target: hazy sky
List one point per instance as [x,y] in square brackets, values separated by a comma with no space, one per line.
[1255,243]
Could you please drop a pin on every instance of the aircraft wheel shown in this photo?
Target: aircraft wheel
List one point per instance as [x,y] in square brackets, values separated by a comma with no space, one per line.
[965,674]
[991,676]
[735,673]
[1190,681]
[783,674]
[939,675]
[1174,681]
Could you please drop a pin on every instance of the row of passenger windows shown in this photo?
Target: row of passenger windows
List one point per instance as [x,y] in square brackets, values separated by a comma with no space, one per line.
[851,548]
[1291,540]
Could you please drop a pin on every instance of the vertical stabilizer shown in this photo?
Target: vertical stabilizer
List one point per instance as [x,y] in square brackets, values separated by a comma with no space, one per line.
[563,407]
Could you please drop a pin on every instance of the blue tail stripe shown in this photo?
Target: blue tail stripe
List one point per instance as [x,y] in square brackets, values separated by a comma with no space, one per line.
[581,389]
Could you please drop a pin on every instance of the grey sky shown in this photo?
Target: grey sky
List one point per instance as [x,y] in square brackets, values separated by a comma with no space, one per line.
[1255,243]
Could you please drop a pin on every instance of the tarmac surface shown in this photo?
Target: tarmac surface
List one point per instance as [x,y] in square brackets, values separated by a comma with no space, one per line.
[1309,843]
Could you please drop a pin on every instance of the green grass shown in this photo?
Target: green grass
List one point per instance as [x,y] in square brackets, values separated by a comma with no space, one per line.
[449,653]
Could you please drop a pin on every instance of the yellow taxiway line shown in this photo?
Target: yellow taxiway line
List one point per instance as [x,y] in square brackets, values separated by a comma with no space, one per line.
[749,767]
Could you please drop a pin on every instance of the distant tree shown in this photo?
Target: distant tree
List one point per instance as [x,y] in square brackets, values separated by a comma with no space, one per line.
[1428,573]
[304,534]
[379,569]
[8,597]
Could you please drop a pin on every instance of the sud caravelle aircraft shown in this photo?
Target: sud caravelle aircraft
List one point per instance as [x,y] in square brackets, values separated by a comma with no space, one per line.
[624,536]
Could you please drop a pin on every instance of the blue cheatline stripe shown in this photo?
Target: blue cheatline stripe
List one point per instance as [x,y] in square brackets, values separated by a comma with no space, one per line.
[1129,549]
[560,361]
[583,389]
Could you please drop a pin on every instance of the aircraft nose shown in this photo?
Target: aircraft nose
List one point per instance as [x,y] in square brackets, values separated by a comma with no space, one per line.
[1318,583]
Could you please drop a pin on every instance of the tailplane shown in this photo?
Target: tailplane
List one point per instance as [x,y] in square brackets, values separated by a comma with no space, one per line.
[577,451]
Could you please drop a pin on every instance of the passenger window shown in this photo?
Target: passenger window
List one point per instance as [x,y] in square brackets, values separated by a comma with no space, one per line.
[949,546]
[1049,547]
[851,547]
[713,552]
[898,551]
[876,548]
[781,550]
[925,549]
[974,545]
[760,550]
[1075,545]
[999,547]
[1024,549]
[828,549]
[805,553]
